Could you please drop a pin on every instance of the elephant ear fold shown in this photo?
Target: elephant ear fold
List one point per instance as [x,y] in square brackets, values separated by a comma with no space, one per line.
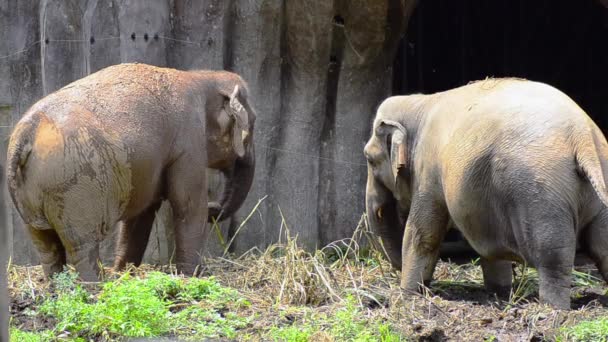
[398,152]
[395,136]
[237,111]
[240,131]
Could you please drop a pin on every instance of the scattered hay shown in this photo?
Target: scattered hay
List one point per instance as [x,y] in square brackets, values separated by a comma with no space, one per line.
[288,287]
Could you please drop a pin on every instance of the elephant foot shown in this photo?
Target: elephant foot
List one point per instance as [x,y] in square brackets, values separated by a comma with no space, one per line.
[189,270]
[554,287]
[88,274]
[86,261]
[50,269]
[50,249]
[501,291]
[497,276]
[602,266]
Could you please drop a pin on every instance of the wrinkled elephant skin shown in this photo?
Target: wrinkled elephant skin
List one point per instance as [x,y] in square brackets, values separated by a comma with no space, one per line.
[110,147]
[515,165]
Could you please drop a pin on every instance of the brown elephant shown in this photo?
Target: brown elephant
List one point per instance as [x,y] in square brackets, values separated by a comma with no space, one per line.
[110,147]
[516,165]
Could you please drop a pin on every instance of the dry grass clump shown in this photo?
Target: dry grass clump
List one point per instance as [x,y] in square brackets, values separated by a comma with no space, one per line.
[350,283]
[286,274]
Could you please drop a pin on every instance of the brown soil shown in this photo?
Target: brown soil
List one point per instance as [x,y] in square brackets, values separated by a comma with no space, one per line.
[284,282]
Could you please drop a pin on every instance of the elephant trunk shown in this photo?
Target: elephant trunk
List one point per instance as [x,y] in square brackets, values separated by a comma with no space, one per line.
[239,179]
[385,220]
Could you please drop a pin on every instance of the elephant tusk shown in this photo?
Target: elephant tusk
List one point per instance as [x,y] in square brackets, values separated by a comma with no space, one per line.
[402,156]
[379,213]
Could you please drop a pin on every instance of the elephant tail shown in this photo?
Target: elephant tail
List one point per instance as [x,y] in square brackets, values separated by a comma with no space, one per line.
[594,165]
[19,151]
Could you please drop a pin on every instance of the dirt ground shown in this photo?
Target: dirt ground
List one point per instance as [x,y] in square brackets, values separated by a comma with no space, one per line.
[285,283]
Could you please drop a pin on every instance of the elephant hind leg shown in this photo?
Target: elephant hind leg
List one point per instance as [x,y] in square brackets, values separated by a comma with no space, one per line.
[555,260]
[50,249]
[595,239]
[82,252]
[497,276]
[133,238]
[545,235]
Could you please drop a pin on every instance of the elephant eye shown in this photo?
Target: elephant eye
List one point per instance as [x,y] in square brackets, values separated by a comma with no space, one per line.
[368,157]
[373,153]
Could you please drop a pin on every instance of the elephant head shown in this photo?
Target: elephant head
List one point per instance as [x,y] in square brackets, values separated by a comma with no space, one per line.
[230,124]
[387,193]
[390,160]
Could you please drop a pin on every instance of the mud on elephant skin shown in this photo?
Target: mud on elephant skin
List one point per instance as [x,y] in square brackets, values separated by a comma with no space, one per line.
[517,166]
[108,148]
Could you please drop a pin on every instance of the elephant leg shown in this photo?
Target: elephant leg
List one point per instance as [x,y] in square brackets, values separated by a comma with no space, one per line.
[82,252]
[425,229]
[187,193]
[133,238]
[554,285]
[497,276]
[595,239]
[50,249]
[554,266]
[545,233]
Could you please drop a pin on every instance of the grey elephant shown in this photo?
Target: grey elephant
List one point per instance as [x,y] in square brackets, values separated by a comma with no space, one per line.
[516,165]
[108,148]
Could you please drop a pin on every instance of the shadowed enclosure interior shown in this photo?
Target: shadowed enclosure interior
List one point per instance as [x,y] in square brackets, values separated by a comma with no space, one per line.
[563,43]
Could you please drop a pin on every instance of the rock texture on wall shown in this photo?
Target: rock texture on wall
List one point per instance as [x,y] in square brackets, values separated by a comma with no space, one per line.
[317,70]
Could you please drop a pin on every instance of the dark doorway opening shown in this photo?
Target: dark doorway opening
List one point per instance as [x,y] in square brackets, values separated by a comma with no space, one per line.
[560,42]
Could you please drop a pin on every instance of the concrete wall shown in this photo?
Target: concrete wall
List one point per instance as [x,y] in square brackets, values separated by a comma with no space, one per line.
[317,70]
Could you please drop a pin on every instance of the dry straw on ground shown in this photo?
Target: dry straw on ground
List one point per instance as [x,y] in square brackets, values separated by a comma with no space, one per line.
[286,284]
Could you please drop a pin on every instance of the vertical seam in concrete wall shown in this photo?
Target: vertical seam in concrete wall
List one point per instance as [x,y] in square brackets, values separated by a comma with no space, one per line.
[331,93]
[87,34]
[85,46]
[282,103]
[43,38]
[229,23]
[120,49]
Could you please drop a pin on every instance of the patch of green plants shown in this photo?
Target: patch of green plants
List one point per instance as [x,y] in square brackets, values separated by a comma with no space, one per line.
[588,331]
[26,336]
[158,304]
[346,324]
[525,284]
[583,279]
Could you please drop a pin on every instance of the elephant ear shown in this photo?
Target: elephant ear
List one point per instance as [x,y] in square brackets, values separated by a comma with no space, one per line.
[240,130]
[395,136]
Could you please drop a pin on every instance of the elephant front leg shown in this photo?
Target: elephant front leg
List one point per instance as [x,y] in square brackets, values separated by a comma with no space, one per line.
[425,229]
[188,198]
[133,238]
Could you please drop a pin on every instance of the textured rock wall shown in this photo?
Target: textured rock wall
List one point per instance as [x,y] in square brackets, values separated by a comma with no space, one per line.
[317,70]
